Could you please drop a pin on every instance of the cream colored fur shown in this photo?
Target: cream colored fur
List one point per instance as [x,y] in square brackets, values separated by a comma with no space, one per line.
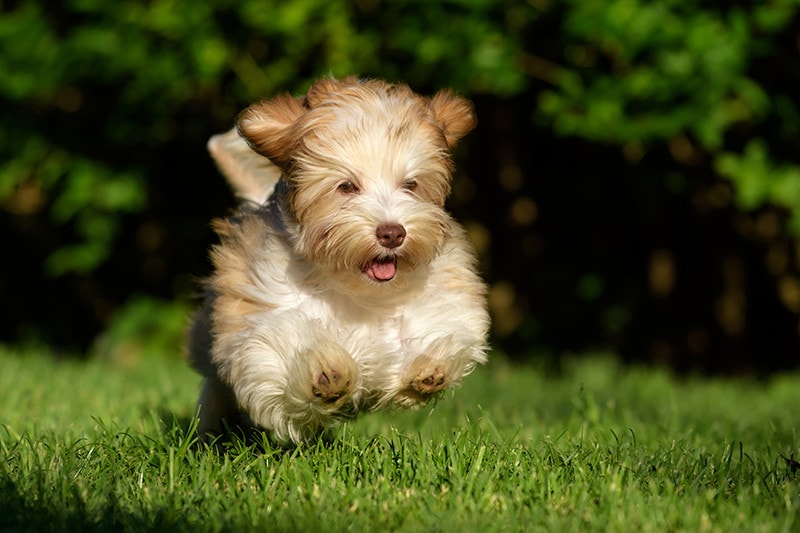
[301,327]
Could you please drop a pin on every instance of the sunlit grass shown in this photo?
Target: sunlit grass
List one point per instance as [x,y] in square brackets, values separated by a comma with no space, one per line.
[99,446]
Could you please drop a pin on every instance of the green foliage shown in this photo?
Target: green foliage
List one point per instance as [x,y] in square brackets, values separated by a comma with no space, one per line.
[145,328]
[92,446]
[759,180]
[639,73]
[646,71]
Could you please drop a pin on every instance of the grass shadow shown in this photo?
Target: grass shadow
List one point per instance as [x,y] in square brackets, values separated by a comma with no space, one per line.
[235,439]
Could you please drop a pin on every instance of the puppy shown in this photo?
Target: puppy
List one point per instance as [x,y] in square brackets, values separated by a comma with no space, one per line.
[341,284]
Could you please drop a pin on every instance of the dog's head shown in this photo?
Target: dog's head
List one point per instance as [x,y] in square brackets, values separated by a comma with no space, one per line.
[367,169]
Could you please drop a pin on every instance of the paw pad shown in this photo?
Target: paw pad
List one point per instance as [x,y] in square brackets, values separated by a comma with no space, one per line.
[422,381]
[330,386]
[429,381]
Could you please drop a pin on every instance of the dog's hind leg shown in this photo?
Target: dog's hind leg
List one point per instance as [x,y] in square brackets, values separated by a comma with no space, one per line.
[217,403]
[218,408]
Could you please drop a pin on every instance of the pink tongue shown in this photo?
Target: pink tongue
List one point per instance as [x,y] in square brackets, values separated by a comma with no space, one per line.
[381,269]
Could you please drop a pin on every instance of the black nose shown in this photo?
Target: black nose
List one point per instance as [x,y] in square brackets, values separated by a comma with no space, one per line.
[390,235]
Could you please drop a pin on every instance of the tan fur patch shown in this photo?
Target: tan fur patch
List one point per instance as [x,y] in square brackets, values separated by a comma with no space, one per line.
[232,279]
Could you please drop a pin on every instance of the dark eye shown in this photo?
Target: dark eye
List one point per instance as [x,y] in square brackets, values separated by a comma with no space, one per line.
[347,187]
[410,185]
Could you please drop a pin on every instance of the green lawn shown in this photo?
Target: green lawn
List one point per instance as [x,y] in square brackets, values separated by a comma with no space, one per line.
[597,447]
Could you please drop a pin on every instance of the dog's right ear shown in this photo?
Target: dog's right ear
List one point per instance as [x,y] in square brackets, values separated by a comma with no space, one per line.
[266,126]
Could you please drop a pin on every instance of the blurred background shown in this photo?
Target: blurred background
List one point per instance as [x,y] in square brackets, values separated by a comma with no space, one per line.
[633,184]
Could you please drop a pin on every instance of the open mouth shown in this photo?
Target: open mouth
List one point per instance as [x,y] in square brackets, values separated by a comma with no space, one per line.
[381,269]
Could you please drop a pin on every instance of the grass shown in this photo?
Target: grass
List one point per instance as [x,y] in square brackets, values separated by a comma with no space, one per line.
[595,447]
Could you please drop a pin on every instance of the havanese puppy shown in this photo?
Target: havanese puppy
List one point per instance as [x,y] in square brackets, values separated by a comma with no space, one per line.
[341,284]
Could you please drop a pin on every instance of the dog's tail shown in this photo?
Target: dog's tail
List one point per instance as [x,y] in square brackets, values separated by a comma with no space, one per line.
[251,175]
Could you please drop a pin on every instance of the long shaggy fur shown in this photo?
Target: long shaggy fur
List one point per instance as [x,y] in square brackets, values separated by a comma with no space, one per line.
[341,284]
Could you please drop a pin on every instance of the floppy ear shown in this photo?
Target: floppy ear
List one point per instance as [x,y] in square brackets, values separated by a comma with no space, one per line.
[454,115]
[266,126]
[251,176]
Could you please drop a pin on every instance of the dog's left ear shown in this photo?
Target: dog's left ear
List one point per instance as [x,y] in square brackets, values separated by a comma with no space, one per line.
[266,126]
[454,114]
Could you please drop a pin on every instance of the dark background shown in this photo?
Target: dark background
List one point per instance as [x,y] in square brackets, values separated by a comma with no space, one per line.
[633,184]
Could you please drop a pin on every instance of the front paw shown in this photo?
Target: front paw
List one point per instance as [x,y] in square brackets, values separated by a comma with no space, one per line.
[423,380]
[331,375]
[439,366]
[332,385]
